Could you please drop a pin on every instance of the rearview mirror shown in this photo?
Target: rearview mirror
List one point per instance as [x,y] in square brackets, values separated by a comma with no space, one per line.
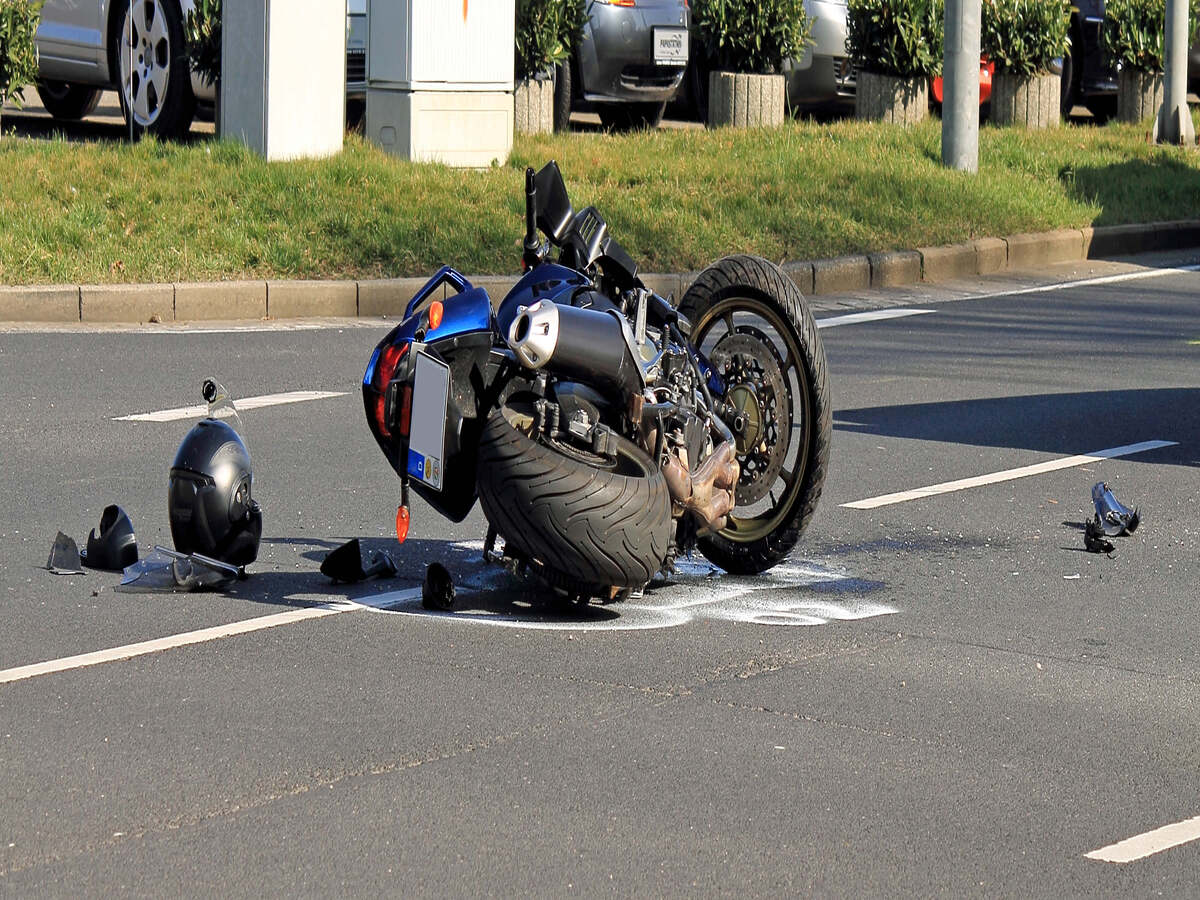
[554,212]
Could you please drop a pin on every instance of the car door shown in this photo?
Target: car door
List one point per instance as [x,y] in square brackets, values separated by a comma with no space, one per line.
[70,41]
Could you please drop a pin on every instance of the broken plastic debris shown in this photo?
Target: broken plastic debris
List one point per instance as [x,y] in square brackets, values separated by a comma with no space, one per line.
[437,591]
[1094,539]
[64,556]
[220,403]
[1111,514]
[115,547]
[349,563]
[174,572]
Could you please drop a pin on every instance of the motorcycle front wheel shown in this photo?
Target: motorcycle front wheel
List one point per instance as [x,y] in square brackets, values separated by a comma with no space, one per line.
[587,523]
[752,324]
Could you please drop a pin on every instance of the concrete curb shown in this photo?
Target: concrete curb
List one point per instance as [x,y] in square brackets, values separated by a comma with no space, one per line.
[117,303]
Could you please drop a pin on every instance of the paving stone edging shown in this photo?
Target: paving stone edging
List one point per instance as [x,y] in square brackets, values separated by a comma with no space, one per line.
[129,303]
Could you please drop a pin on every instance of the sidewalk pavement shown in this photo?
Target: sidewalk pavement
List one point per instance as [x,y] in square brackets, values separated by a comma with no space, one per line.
[225,300]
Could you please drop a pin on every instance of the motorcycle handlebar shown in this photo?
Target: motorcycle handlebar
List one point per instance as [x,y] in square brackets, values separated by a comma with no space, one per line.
[532,246]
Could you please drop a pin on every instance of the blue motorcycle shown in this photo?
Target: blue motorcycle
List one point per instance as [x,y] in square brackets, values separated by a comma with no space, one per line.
[604,429]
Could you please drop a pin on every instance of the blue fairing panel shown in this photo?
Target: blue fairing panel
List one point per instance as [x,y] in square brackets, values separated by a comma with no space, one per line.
[549,281]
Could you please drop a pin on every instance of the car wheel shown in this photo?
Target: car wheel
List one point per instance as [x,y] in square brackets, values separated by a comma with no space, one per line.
[154,75]
[696,79]
[630,116]
[1102,107]
[562,96]
[68,101]
[1069,92]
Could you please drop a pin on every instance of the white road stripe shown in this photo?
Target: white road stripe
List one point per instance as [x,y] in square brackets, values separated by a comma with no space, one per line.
[216,632]
[1052,465]
[874,315]
[242,403]
[1088,282]
[1142,845]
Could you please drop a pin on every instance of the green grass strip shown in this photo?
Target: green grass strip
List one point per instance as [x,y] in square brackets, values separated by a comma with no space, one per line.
[154,212]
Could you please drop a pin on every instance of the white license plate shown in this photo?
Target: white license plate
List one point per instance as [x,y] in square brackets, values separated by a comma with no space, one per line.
[427,425]
[670,46]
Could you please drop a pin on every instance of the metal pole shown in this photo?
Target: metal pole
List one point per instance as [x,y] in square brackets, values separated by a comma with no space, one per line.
[960,86]
[1174,123]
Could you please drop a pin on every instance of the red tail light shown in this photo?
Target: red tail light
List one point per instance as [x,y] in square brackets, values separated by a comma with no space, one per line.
[401,523]
[406,410]
[388,361]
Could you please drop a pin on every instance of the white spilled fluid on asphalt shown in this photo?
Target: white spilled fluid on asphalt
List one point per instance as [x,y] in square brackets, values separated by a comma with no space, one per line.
[795,592]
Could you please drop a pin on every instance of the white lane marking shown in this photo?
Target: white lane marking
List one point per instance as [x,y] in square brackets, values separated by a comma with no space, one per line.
[202,635]
[874,315]
[1089,282]
[1142,845]
[1052,465]
[243,403]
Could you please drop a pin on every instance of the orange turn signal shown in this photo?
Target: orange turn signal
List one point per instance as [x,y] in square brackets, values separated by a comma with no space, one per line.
[435,314]
[401,523]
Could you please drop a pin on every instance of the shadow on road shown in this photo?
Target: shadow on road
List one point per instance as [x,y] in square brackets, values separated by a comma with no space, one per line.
[106,123]
[1053,423]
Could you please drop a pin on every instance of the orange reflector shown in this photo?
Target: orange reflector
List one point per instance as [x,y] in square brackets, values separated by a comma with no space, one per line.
[435,314]
[401,523]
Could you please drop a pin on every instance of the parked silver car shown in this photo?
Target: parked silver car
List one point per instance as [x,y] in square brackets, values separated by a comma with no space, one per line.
[823,76]
[136,49]
[85,48]
[629,63]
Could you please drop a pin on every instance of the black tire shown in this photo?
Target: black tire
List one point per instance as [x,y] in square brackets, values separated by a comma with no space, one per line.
[630,116]
[753,288]
[1069,90]
[589,528]
[160,49]
[66,101]
[562,96]
[697,88]
[1102,107]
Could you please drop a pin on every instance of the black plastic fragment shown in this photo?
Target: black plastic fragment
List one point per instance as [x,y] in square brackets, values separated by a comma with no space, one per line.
[349,563]
[64,556]
[115,547]
[437,591]
[1094,538]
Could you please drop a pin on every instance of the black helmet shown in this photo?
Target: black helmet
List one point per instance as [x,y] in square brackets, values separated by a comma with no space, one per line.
[209,502]
[115,547]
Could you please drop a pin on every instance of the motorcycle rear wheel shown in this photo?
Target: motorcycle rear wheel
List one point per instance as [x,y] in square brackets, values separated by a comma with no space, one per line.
[750,320]
[586,524]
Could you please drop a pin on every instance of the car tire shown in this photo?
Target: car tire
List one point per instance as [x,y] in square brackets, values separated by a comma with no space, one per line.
[630,116]
[562,96]
[1069,92]
[66,101]
[696,78]
[154,75]
[1102,107]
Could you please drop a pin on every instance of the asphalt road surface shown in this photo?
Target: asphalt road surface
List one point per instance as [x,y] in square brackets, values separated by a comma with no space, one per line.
[941,695]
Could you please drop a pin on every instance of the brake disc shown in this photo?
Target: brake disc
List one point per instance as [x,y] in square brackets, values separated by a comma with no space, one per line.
[755,384]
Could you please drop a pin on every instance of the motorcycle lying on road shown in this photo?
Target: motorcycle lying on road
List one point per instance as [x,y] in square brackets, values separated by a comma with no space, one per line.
[605,430]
